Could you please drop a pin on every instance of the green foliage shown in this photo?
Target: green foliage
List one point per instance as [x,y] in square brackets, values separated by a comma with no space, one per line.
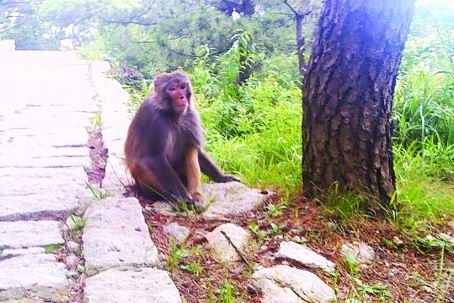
[255,228]
[96,192]
[253,130]
[194,267]
[19,20]
[424,124]
[78,223]
[352,265]
[430,243]
[53,248]
[275,210]
[177,253]
[227,292]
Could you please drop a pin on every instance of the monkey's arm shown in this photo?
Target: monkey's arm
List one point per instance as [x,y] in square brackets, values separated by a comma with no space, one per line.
[210,169]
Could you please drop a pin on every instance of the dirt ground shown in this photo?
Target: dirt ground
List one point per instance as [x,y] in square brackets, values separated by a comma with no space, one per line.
[399,273]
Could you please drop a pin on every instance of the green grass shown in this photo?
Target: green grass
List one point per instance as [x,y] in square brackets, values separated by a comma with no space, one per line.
[254,131]
[52,247]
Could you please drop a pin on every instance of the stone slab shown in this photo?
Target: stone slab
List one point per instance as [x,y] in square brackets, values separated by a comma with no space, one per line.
[362,252]
[304,255]
[285,284]
[37,206]
[28,300]
[222,247]
[231,198]
[51,186]
[223,200]
[140,285]
[177,232]
[22,234]
[35,276]
[116,235]
[8,253]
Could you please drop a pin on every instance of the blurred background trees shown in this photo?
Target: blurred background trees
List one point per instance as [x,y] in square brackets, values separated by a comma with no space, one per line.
[242,56]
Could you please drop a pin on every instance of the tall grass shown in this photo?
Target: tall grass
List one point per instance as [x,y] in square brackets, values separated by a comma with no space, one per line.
[254,130]
[424,132]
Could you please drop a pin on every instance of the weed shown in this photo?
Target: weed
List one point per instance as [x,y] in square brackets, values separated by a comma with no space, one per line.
[276,229]
[227,292]
[377,289]
[52,247]
[255,228]
[194,267]
[430,243]
[275,210]
[352,265]
[96,192]
[177,253]
[78,223]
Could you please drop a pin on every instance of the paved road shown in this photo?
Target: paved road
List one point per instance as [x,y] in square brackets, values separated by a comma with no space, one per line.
[46,103]
[48,100]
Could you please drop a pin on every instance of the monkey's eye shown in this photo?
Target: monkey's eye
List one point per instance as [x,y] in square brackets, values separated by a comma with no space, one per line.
[183,85]
[171,88]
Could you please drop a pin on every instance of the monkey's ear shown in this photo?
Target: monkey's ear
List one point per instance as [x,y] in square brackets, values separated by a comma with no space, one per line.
[190,93]
[160,82]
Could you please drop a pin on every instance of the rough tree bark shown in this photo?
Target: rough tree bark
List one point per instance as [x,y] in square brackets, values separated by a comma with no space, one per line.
[348,92]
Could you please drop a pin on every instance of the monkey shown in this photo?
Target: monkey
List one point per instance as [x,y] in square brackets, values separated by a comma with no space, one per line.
[164,145]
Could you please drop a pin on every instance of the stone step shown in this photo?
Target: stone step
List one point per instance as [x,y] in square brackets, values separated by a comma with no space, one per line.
[22,234]
[33,276]
[138,285]
[283,283]
[45,205]
[116,235]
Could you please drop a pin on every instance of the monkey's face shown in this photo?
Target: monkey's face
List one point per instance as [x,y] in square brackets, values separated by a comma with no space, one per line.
[179,96]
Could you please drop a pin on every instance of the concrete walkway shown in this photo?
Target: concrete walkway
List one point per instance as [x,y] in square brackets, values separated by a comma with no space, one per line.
[48,100]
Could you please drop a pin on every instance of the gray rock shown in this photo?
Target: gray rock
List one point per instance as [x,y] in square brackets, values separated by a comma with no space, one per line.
[10,186]
[29,233]
[222,199]
[223,249]
[19,252]
[116,235]
[34,275]
[141,285]
[304,256]
[28,300]
[285,284]
[361,251]
[163,208]
[231,198]
[177,232]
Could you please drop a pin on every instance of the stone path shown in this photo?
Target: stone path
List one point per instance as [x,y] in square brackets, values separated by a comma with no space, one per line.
[48,101]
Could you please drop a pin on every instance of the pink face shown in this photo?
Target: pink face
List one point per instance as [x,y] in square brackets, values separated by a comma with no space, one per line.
[178,91]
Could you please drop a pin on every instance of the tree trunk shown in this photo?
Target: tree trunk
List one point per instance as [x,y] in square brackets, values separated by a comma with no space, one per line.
[348,93]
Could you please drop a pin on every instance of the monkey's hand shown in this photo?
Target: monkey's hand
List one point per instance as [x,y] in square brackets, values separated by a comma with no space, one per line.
[198,203]
[228,178]
[177,201]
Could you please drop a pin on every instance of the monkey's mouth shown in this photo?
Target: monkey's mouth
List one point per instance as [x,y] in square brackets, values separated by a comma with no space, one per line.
[181,103]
